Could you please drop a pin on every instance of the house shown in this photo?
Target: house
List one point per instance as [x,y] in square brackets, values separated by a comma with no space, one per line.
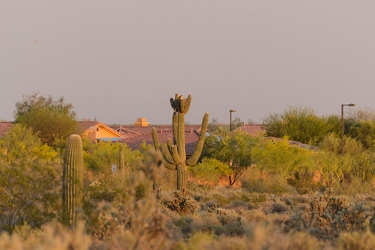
[94,130]
[141,132]
[139,127]
[5,127]
[144,135]
[132,135]
[97,131]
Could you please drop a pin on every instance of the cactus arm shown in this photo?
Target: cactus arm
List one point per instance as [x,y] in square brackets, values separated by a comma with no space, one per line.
[167,159]
[187,104]
[184,104]
[166,154]
[174,153]
[170,146]
[198,149]
[155,139]
[168,165]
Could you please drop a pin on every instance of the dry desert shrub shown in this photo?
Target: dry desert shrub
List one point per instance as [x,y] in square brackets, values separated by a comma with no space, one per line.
[180,201]
[328,216]
[137,221]
[261,237]
[219,221]
[256,215]
[354,187]
[51,236]
[208,222]
[297,240]
[356,240]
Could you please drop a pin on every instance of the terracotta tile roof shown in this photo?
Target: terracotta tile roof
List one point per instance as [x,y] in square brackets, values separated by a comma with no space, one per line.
[125,133]
[131,129]
[191,138]
[5,127]
[252,129]
[85,125]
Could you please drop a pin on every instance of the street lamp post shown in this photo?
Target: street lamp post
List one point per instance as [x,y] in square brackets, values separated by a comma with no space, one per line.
[342,124]
[230,117]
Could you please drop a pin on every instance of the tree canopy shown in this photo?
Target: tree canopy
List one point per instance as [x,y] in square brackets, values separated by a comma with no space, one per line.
[364,132]
[46,116]
[298,124]
[29,179]
[278,156]
[231,148]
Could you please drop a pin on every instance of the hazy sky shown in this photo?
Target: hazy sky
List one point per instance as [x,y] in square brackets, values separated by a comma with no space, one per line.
[120,60]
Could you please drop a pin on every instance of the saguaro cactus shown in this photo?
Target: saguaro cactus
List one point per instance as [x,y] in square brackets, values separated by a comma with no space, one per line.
[174,154]
[72,179]
[121,162]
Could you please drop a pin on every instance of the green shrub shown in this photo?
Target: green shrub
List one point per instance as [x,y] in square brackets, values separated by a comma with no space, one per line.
[140,191]
[100,192]
[30,180]
[209,172]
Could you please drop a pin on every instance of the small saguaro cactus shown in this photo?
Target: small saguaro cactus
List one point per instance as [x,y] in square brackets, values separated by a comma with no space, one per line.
[121,163]
[72,179]
[174,154]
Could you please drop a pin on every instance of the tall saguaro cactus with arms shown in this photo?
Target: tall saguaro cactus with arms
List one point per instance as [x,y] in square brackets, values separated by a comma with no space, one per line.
[174,153]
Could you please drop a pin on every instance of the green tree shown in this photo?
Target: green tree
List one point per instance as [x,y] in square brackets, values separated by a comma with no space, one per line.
[49,118]
[237,122]
[334,124]
[360,114]
[213,125]
[278,156]
[363,166]
[30,180]
[100,156]
[331,166]
[103,155]
[364,132]
[233,149]
[332,143]
[298,124]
